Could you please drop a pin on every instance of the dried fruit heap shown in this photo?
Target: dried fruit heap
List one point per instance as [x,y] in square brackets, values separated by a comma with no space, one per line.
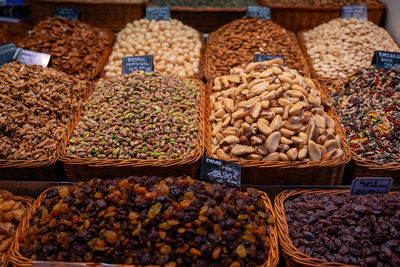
[353,229]
[142,221]
[76,48]
[36,106]
[368,104]
[140,115]
[269,112]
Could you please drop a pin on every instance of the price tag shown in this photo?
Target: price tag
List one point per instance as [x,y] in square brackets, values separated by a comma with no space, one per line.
[386,60]
[158,13]
[359,12]
[220,171]
[260,57]
[130,64]
[33,57]
[68,13]
[363,186]
[258,12]
[7,53]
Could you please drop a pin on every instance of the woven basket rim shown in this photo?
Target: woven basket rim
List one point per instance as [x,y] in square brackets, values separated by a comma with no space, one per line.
[282,164]
[325,7]
[17,259]
[94,162]
[359,161]
[107,2]
[208,62]
[208,9]
[289,251]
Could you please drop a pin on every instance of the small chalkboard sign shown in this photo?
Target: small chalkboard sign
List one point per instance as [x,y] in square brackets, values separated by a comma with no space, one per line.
[220,171]
[7,53]
[33,57]
[386,60]
[258,12]
[158,13]
[359,12]
[378,185]
[261,57]
[68,13]
[130,64]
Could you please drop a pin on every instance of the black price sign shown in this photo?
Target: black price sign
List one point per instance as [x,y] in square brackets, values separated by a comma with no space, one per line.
[68,13]
[33,57]
[158,13]
[386,60]
[258,12]
[130,64]
[220,171]
[8,53]
[261,58]
[363,186]
[359,12]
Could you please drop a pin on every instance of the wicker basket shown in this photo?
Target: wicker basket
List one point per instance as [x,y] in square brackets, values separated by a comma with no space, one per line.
[296,18]
[293,257]
[206,19]
[111,15]
[210,75]
[361,167]
[82,169]
[291,172]
[4,259]
[20,261]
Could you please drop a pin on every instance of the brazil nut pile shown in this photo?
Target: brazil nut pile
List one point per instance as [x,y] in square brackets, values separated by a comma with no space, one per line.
[76,48]
[269,112]
[150,221]
[37,104]
[236,43]
[139,115]
[342,46]
[174,46]
[351,229]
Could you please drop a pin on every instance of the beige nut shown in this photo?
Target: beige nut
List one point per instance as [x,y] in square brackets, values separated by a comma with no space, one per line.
[276,123]
[296,108]
[283,157]
[255,110]
[302,153]
[231,140]
[272,157]
[263,127]
[241,113]
[287,133]
[314,151]
[241,150]
[292,154]
[272,142]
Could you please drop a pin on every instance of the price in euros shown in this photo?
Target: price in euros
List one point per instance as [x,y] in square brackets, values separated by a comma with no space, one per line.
[221,175]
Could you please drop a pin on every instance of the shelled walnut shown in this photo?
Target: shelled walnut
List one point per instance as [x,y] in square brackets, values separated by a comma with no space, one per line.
[265,111]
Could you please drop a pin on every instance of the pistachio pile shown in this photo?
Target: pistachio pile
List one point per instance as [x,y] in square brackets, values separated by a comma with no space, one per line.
[342,46]
[139,115]
[269,112]
[151,221]
[37,104]
[175,47]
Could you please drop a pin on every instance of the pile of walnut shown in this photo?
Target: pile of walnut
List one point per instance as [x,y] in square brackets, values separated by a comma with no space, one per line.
[37,104]
[11,213]
[265,111]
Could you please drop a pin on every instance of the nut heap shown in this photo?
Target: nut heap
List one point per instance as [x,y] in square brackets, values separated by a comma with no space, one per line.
[368,105]
[352,229]
[139,115]
[76,48]
[11,213]
[236,43]
[37,104]
[175,47]
[150,221]
[342,46]
[269,112]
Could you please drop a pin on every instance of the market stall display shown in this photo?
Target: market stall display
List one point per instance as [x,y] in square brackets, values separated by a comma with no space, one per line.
[171,222]
[236,43]
[336,49]
[368,105]
[37,106]
[12,210]
[332,227]
[77,48]
[321,2]
[264,113]
[206,3]
[175,47]
[138,120]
